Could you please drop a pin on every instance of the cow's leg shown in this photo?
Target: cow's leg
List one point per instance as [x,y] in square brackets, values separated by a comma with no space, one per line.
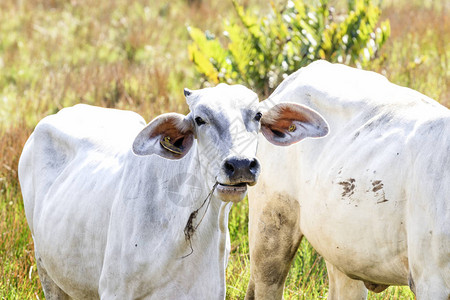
[342,287]
[431,288]
[428,232]
[430,281]
[274,235]
[51,290]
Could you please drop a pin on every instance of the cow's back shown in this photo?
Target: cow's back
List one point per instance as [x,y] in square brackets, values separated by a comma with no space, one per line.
[70,171]
[75,134]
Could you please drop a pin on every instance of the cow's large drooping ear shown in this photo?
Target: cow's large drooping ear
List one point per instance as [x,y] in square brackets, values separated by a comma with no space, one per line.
[168,135]
[288,123]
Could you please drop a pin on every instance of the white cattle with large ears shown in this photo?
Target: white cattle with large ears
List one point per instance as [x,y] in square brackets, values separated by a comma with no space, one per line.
[372,198]
[111,220]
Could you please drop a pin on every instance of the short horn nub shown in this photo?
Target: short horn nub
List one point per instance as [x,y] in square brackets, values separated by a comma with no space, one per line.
[187,92]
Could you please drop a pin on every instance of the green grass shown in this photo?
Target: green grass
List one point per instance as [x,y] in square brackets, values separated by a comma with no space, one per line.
[55,53]
[18,278]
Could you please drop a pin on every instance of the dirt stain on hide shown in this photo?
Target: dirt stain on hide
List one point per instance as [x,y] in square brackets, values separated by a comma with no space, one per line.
[377,185]
[348,187]
[279,238]
[377,188]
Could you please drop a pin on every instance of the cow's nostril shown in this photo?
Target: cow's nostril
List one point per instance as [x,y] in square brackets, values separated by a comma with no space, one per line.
[253,164]
[229,168]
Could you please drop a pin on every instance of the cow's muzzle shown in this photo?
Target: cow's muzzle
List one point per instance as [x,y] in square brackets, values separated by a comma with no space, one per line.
[239,172]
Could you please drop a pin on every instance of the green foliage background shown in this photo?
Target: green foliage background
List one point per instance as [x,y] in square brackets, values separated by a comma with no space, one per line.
[261,51]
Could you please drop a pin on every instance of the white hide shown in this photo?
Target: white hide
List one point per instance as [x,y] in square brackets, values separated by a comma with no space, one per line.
[374,194]
[109,224]
[104,223]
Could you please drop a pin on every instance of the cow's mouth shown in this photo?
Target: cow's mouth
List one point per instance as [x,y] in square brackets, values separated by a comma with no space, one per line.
[238,184]
[231,189]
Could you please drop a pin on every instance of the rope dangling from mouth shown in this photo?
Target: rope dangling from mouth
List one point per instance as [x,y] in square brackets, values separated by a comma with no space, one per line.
[190,229]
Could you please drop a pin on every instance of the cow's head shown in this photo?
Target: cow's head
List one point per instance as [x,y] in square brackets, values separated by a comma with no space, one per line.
[226,120]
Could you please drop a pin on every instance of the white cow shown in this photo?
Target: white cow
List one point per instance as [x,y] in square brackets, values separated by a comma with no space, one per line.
[373,197]
[111,221]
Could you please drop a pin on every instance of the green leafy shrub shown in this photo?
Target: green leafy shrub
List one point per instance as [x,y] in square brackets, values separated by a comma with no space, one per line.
[260,52]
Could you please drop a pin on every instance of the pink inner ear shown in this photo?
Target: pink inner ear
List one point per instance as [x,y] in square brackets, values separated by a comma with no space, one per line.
[276,135]
[288,123]
[184,142]
[174,140]
[170,129]
[284,119]
[169,136]
[289,114]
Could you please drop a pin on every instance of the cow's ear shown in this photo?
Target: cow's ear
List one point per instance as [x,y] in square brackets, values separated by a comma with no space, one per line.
[168,135]
[288,123]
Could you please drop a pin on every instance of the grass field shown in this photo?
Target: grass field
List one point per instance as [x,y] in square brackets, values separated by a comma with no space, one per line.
[55,53]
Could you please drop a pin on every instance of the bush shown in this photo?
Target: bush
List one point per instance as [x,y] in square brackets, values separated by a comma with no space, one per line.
[261,52]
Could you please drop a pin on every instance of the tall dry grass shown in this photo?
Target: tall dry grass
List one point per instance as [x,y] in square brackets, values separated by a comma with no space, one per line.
[17,268]
[417,54]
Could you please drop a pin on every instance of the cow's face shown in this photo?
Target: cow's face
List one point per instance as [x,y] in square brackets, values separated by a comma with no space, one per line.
[225,121]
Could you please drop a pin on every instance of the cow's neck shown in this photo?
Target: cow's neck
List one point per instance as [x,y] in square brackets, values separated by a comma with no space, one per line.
[210,245]
[168,200]
[207,249]
[211,221]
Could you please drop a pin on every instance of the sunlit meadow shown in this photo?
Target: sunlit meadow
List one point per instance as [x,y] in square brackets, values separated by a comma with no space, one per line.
[133,55]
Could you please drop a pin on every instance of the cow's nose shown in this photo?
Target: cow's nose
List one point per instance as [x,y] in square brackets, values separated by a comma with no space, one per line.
[241,169]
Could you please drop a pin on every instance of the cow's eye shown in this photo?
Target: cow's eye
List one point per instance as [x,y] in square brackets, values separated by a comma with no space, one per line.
[199,121]
[258,116]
